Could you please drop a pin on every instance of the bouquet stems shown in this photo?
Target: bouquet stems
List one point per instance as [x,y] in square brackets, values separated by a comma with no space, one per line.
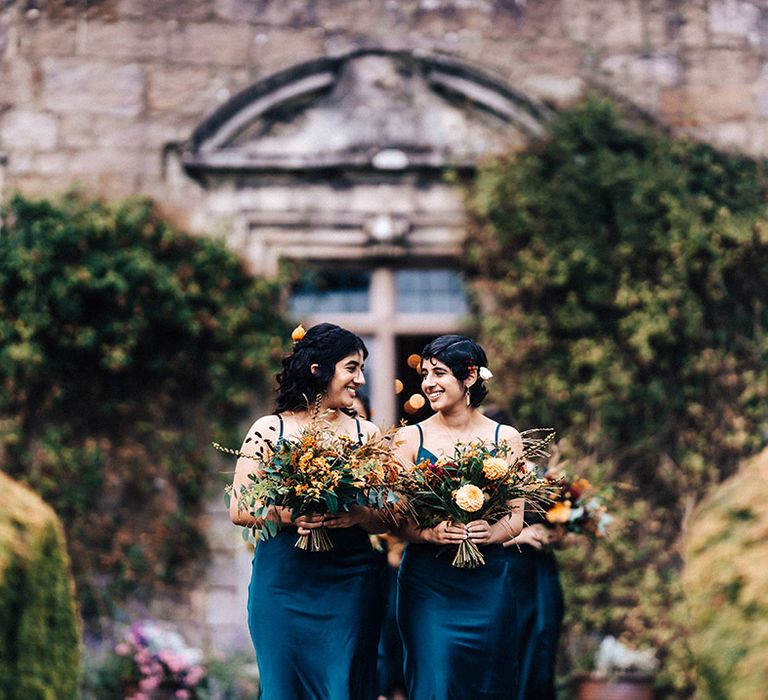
[468,556]
[316,541]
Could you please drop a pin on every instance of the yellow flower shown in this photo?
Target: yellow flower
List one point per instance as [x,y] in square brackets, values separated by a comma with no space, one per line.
[470,498]
[560,512]
[298,333]
[494,467]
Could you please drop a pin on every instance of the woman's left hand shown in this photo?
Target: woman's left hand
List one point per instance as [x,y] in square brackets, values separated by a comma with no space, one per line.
[349,518]
[479,531]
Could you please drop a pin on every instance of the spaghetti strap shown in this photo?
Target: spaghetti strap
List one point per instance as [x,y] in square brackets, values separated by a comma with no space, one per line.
[280,434]
[496,438]
[359,432]
[421,436]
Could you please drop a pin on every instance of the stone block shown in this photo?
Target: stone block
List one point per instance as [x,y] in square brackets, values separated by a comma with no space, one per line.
[72,85]
[669,25]
[730,136]
[618,24]
[215,44]
[701,105]
[17,78]
[733,18]
[46,37]
[281,48]
[661,70]
[224,606]
[128,39]
[29,130]
[560,91]
[292,13]
[709,66]
[179,89]
[190,10]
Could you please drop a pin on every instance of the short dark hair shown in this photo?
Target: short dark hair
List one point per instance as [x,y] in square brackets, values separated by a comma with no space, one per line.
[324,344]
[459,354]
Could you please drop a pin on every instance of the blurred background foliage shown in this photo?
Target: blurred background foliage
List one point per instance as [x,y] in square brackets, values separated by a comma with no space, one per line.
[39,625]
[125,347]
[622,279]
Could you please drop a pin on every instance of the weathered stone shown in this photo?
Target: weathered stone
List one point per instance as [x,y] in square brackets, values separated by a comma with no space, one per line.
[695,105]
[557,90]
[281,48]
[180,89]
[48,38]
[130,39]
[293,13]
[215,44]
[17,78]
[607,24]
[99,87]
[736,18]
[710,66]
[194,10]
[659,70]
[24,129]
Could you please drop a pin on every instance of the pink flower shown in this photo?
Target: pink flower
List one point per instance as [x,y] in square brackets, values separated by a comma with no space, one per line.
[122,649]
[149,684]
[194,676]
[182,694]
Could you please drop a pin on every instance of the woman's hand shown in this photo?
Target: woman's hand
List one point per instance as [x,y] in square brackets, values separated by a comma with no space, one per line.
[307,523]
[445,533]
[479,532]
[354,516]
[537,536]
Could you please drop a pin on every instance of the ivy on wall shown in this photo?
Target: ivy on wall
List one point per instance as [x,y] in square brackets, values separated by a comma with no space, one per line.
[623,278]
[125,346]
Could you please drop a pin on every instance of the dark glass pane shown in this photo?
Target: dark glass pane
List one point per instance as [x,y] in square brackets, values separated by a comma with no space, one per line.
[331,292]
[430,291]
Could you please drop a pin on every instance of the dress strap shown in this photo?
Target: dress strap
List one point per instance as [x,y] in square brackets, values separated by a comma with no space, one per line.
[421,436]
[496,437]
[280,434]
[359,432]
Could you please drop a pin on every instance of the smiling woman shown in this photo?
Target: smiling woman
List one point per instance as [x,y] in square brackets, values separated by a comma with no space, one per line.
[302,653]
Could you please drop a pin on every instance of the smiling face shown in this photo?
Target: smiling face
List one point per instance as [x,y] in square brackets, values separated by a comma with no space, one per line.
[347,379]
[440,385]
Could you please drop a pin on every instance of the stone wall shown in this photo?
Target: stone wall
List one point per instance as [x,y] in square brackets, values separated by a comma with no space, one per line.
[94,92]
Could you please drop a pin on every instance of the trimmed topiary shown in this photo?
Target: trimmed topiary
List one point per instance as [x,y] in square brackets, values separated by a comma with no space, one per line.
[726,585]
[39,628]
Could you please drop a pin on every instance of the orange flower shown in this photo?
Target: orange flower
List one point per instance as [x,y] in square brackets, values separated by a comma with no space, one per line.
[578,488]
[560,512]
[470,498]
[298,333]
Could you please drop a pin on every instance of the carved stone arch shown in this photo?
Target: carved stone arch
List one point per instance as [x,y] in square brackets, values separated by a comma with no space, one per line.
[366,109]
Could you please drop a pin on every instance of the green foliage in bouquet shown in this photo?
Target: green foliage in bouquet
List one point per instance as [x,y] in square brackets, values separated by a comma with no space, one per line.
[623,278]
[726,585]
[122,343]
[476,483]
[316,472]
[39,628]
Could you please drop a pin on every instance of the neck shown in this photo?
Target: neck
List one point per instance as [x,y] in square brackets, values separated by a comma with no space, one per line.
[458,417]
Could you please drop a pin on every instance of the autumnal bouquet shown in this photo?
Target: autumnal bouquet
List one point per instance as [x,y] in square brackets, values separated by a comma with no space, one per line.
[578,506]
[477,482]
[316,472]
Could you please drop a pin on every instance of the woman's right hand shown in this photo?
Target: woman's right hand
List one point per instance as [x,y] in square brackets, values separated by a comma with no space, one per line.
[445,533]
[537,536]
[307,523]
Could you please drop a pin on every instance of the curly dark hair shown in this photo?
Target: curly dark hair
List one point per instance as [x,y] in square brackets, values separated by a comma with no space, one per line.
[324,344]
[459,354]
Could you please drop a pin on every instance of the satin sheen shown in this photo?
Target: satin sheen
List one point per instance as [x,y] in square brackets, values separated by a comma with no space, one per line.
[457,625]
[314,617]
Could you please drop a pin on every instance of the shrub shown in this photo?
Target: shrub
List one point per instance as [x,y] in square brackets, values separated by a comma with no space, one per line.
[125,346]
[39,629]
[623,279]
[726,585]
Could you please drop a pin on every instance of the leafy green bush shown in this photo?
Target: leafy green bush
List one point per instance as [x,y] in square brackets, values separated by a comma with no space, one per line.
[623,279]
[124,347]
[726,585]
[39,629]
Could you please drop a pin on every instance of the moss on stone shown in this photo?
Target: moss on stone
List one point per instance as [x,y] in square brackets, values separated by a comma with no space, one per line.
[39,628]
[726,585]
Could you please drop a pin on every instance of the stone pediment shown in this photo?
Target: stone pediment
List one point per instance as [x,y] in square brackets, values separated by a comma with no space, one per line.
[368,109]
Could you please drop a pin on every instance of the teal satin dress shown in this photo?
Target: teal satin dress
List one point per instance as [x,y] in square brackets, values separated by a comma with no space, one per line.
[539,597]
[314,617]
[457,625]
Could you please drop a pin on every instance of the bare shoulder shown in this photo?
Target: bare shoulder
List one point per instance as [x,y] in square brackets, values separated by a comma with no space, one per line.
[368,428]
[510,435]
[407,434]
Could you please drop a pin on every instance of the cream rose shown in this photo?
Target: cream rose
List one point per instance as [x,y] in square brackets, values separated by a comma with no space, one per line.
[494,468]
[470,498]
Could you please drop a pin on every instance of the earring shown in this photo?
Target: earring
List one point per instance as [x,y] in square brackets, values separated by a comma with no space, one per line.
[317,405]
[466,394]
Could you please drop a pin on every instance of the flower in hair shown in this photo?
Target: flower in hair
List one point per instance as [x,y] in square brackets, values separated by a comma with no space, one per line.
[485,374]
[298,333]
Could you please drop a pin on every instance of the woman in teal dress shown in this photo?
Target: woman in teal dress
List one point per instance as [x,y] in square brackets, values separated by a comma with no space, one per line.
[457,625]
[539,597]
[314,616]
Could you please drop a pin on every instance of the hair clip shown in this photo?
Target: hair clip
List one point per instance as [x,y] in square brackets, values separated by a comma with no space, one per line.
[485,374]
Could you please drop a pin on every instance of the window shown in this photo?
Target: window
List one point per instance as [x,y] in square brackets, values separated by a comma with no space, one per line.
[430,291]
[331,291]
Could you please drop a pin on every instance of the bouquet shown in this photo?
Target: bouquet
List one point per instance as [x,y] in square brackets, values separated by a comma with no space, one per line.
[578,507]
[316,472]
[477,482]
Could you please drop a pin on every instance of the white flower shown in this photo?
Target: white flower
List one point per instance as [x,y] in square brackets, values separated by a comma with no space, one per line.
[485,374]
